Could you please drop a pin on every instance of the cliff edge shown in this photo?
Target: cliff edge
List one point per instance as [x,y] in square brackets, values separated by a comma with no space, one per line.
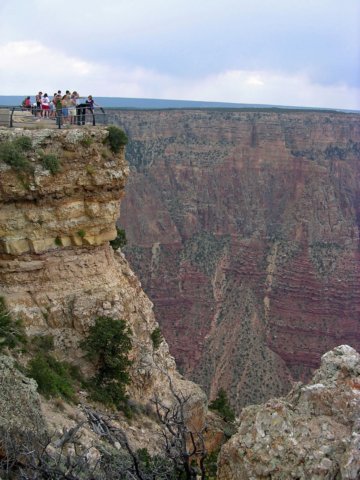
[58,272]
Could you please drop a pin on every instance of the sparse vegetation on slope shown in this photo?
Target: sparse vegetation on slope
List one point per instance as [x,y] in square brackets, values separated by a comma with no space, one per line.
[222,406]
[11,331]
[12,153]
[120,240]
[107,345]
[116,139]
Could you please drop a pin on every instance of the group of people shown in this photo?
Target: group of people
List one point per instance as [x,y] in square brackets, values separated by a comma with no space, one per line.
[69,108]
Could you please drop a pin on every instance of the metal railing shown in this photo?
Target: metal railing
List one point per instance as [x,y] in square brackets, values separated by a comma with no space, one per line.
[18,116]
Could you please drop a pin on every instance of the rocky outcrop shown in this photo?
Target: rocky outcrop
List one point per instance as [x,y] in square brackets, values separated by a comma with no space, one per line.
[19,401]
[314,432]
[243,227]
[57,269]
[77,206]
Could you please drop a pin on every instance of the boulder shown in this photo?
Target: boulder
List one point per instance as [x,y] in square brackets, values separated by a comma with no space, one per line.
[312,433]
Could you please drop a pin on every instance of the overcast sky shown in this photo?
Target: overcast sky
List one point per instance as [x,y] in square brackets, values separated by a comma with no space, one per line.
[284,52]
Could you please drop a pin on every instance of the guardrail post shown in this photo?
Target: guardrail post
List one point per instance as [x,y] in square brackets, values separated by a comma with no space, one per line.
[11,117]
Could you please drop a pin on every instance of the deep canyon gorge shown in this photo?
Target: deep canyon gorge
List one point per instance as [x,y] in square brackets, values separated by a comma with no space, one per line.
[243,227]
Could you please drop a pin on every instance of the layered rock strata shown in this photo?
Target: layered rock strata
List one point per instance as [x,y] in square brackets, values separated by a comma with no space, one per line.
[243,227]
[314,432]
[57,269]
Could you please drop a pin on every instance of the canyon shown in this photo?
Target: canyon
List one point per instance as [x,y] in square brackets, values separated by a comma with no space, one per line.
[243,227]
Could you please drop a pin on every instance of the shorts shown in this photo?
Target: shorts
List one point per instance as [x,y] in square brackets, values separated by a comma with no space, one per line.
[72,112]
[45,107]
[65,112]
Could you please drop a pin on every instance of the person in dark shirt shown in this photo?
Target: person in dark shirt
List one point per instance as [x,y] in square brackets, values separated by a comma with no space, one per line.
[90,102]
[38,104]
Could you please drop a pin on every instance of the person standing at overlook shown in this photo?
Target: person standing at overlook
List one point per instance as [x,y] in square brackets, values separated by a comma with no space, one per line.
[26,104]
[72,110]
[38,104]
[45,105]
[66,103]
[58,109]
[90,102]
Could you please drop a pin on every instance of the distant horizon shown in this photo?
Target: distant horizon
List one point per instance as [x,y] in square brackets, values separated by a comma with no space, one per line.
[155,103]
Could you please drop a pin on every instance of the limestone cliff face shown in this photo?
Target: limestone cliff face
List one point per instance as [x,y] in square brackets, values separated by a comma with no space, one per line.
[244,230]
[312,433]
[57,269]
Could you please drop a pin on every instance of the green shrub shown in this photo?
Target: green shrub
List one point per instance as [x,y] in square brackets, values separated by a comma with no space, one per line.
[86,141]
[211,464]
[108,345]
[222,406]
[11,331]
[53,377]
[58,241]
[116,139]
[11,152]
[44,343]
[24,143]
[51,163]
[90,169]
[81,233]
[120,240]
[156,337]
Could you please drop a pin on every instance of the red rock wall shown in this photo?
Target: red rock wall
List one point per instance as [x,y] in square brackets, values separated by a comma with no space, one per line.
[244,229]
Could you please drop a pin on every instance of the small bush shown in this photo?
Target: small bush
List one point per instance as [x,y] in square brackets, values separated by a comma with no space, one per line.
[44,343]
[108,345]
[211,464]
[53,377]
[116,139]
[58,241]
[120,240]
[90,169]
[156,337]
[11,332]
[81,233]
[24,143]
[12,154]
[222,406]
[86,141]
[51,163]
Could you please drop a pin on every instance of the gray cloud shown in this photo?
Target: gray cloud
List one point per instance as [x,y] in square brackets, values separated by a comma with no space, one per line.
[187,41]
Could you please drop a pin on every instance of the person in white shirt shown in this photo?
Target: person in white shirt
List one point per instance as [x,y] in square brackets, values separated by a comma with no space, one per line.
[45,105]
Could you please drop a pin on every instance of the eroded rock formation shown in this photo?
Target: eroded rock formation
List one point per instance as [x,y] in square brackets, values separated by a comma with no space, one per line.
[244,230]
[312,433]
[57,269]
